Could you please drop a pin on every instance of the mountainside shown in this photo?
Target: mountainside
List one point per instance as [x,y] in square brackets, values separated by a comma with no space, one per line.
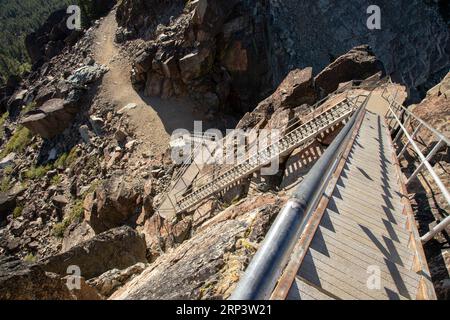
[85,158]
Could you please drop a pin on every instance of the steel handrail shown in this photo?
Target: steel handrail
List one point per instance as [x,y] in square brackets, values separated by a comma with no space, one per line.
[253,155]
[267,265]
[424,162]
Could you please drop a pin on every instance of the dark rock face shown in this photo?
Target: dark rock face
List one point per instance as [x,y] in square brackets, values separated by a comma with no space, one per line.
[51,119]
[357,64]
[22,281]
[413,43]
[7,204]
[299,89]
[117,248]
[8,201]
[49,40]
[7,91]
[140,17]
[112,204]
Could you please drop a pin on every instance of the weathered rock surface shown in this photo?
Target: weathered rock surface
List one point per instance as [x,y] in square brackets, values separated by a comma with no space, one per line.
[22,281]
[297,89]
[117,248]
[51,119]
[113,279]
[357,64]
[87,74]
[113,203]
[209,264]
[217,51]
[77,234]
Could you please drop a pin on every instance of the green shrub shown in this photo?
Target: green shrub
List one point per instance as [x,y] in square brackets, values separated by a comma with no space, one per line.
[5,184]
[56,180]
[76,213]
[38,172]
[30,258]
[66,160]
[8,170]
[28,108]
[3,119]
[17,212]
[18,142]
[61,161]
[71,157]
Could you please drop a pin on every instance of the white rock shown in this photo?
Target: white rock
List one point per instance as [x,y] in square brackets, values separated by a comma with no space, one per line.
[129,106]
[8,160]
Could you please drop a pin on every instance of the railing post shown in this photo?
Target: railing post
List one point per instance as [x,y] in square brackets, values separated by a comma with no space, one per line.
[438,228]
[409,141]
[427,159]
[399,134]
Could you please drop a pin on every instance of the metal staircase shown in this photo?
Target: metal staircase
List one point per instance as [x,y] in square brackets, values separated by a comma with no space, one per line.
[297,135]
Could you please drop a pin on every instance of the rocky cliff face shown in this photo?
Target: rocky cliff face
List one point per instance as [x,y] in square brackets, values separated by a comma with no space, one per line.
[216,48]
[413,43]
[218,52]
[76,186]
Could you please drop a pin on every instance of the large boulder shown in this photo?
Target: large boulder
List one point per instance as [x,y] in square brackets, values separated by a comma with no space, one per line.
[112,280]
[51,119]
[87,74]
[357,64]
[117,248]
[113,203]
[23,281]
[295,90]
[208,265]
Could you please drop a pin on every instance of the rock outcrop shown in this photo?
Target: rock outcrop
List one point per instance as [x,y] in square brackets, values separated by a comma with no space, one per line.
[113,279]
[295,90]
[26,281]
[316,32]
[208,265]
[113,203]
[299,90]
[117,248]
[61,101]
[51,119]
[357,64]
[217,51]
